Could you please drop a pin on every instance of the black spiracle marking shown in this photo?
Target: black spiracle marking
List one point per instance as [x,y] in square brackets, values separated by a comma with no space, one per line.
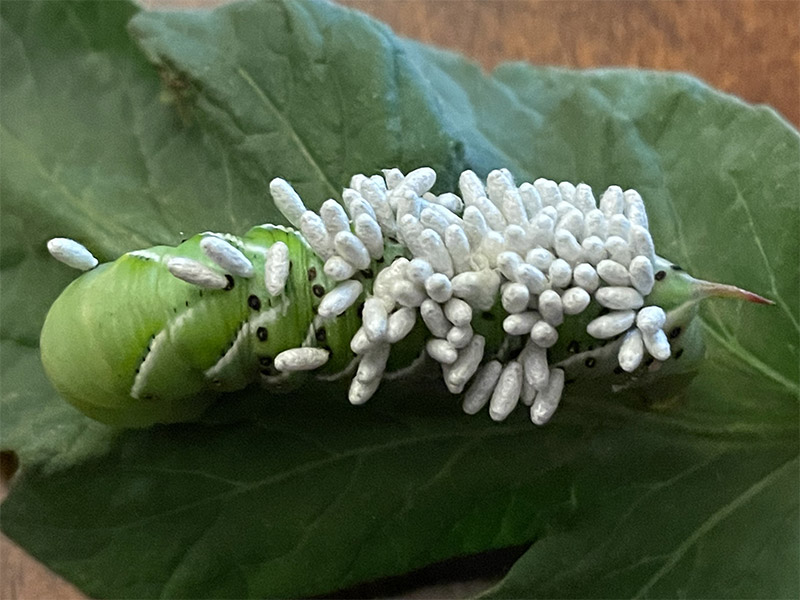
[231,283]
[674,333]
[678,354]
[487,316]
[660,275]
[262,334]
[649,361]
[312,273]
[265,361]
[254,302]
[318,290]
[574,347]
[676,268]
[590,362]
[321,334]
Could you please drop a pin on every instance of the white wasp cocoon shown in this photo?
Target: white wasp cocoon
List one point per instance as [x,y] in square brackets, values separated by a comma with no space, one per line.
[475,226]
[613,273]
[360,343]
[482,387]
[441,351]
[584,198]
[375,318]
[651,319]
[471,187]
[544,334]
[612,201]
[356,205]
[479,288]
[548,191]
[567,246]
[287,201]
[619,226]
[498,182]
[534,364]
[634,208]
[567,189]
[642,243]
[595,224]
[196,273]
[657,344]
[360,392]
[614,323]
[401,322]
[301,359]
[530,199]
[226,256]
[541,258]
[469,359]
[457,243]
[369,232]
[641,274]
[512,207]
[528,393]
[383,211]
[338,268]
[515,238]
[408,294]
[506,392]
[434,319]
[352,249]
[393,177]
[72,254]
[458,312]
[631,351]
[339,299]
[449,201]
[532,278]
[432,219]
[560,273]
[546,401]
[515,297]
[572,221]
[373,364]
[521,323]
[313,228]
[420,180]
[551,307]
[459,337]
[276,268]
[585,276]
[618,250]
[439,288]
[418,271]
[433,248]
[575,300]
[334,217]
[594,249]
[619,298]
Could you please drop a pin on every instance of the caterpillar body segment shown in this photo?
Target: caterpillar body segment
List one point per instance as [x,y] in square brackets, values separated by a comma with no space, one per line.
[516,291]
[131,344]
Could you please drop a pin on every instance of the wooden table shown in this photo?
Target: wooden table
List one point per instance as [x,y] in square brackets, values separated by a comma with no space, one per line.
[750,48]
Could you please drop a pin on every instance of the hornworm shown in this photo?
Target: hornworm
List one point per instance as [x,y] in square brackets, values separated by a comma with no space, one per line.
[515,290]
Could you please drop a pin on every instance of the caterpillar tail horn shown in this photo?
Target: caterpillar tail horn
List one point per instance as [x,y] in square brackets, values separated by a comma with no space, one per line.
[711,289]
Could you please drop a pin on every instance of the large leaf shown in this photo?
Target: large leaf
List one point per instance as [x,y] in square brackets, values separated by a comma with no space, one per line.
[301,494]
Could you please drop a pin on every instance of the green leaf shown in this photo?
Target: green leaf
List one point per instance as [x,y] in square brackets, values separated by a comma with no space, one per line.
[301,494]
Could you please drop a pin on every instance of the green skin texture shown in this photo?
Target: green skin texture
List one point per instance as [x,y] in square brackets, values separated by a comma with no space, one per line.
[101,328]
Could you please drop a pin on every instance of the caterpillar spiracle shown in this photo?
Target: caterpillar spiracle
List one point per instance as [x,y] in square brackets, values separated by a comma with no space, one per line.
[513,289]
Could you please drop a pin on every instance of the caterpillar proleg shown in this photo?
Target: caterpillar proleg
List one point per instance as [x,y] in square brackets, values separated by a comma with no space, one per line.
[520,290]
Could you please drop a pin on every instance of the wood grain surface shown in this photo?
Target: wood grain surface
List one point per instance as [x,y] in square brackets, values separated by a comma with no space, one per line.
[750,48]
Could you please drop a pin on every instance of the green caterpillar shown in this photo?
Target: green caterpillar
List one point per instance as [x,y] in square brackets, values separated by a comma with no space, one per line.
[514,290]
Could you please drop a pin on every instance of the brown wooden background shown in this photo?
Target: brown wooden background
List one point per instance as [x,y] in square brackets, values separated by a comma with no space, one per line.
[750,48]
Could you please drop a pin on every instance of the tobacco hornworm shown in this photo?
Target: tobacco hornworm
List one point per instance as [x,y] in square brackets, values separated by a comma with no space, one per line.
[514,290]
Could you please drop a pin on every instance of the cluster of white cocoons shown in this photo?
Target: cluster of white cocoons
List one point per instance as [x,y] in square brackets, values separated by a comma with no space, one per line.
[544,249]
